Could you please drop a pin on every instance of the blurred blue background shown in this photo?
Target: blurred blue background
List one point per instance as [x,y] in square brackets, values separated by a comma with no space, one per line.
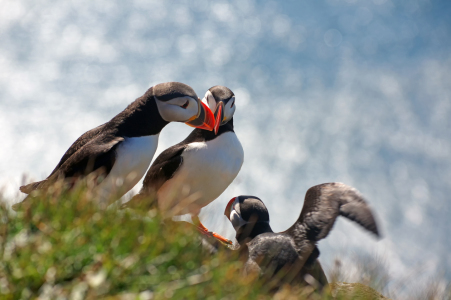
[356,91]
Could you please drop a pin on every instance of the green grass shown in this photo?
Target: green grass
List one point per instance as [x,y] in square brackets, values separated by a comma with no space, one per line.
[63,246]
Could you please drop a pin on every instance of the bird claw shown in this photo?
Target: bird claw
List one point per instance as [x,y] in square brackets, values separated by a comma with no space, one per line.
[219,237]
[202,229]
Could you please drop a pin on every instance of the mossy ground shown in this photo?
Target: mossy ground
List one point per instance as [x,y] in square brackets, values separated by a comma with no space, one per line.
[62,245]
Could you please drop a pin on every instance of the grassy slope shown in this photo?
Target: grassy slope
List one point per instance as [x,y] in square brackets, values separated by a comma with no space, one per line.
[63,246]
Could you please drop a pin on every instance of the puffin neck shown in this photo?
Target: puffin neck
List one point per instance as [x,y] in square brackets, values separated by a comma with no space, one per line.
[209,135]
[251,230]
[140,118]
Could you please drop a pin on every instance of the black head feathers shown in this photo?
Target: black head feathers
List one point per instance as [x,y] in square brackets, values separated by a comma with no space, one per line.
[170,90]
[221,93]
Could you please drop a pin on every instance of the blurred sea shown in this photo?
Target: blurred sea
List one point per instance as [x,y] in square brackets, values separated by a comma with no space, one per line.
[356,91]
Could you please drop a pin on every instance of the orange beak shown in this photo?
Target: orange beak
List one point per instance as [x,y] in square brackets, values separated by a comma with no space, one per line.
[219,115]
[205,119]
[228,209]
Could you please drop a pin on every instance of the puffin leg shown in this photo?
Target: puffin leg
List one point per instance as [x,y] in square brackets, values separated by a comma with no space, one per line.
[202,229]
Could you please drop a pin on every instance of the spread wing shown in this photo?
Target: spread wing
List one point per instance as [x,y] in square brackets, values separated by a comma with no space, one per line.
[162,169]
[77,145]
[324,203]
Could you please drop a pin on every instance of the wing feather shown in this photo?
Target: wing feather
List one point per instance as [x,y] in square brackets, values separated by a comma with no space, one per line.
[324,203]
[93,156]
[162,169]
[77,145]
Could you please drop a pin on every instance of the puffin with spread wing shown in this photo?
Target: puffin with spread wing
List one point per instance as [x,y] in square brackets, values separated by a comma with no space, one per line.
[292,254]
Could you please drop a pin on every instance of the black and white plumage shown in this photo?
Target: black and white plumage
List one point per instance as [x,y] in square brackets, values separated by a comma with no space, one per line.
[294,251]
[188,176]
[121,149]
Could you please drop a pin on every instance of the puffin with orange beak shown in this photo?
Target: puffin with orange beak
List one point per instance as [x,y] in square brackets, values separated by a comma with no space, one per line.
[191,174]
[292,254]
[121,149]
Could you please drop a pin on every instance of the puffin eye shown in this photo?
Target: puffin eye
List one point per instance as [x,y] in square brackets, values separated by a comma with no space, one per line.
[185,105]
[233,103]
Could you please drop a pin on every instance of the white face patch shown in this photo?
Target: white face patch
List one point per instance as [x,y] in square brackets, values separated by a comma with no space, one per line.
[236,219]
[235,215]
[229,110]
[236,205]
[179,109]
[210,100]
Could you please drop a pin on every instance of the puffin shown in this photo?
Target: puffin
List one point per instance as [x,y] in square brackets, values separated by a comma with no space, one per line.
[191,174]
[121,150]
[290,255]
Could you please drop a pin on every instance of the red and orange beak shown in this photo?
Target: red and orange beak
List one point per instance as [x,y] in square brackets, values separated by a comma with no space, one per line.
[228,209]
[205,119]
[219,116]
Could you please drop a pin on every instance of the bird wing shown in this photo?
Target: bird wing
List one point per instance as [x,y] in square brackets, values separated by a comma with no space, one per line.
[162,169]
[77,145]
[93,156]
[324,203]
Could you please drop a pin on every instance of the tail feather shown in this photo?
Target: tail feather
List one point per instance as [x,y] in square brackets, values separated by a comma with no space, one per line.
[27,189]
[19,205]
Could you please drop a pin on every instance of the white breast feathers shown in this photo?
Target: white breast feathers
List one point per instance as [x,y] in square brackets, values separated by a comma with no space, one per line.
[207,170]
[133,157]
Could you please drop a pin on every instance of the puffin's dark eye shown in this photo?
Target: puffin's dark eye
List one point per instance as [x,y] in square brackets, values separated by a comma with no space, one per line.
[233,103]
[186,104]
